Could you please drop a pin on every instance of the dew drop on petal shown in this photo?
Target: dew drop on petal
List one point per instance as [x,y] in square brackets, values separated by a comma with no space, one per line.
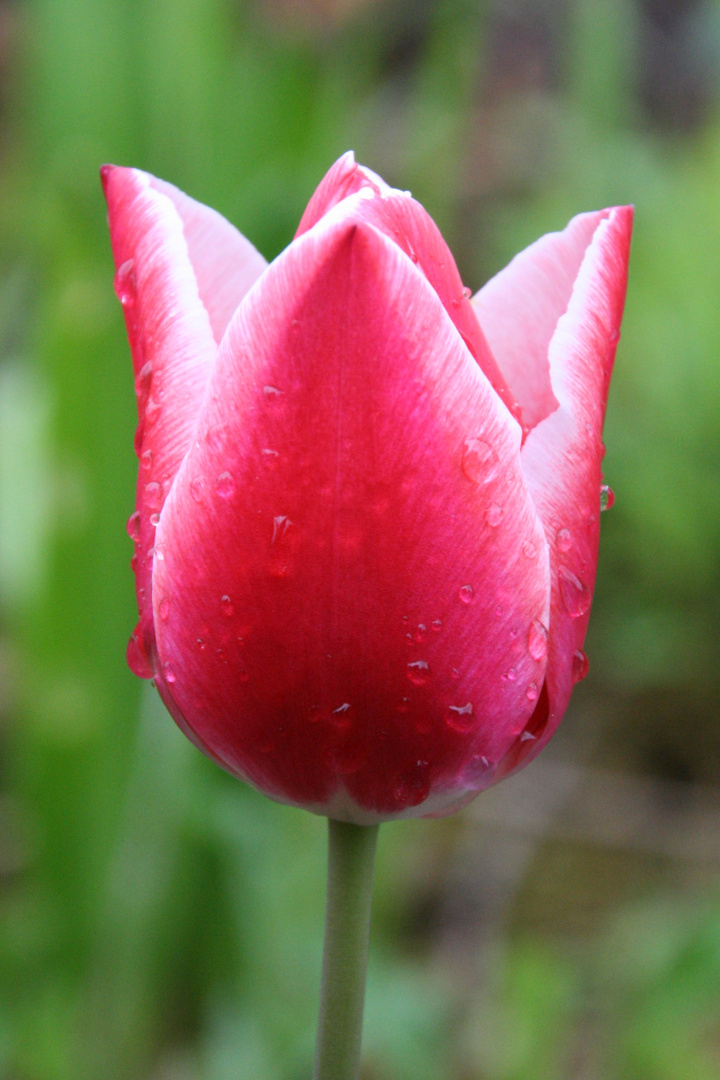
[436,625]
[459,717]
[164,609]
[419,634]
[168,672]
[225,485]
[494,515]
[133,525]
[146,459]
[413,786]
[467,594]
[227,607]
[607,497]
[153,494]
[125,284]
[269,458]
[564,540]
[511,674]
[532,692]
[137,657]
[403,705]
[537,640]
[575,594]
[155,519]
[418,672]
[152,412]
[580,666]
[479,461]
[271,394]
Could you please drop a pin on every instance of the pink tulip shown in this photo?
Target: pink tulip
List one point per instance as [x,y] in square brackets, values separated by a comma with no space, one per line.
[367,516]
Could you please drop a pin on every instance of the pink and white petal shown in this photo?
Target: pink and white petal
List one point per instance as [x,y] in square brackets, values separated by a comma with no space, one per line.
[562,455]
[520,307]
[406,222]
[225,263]
[173,351]
[382,563]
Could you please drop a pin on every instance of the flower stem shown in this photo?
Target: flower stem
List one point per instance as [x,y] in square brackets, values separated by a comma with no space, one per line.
[351,863]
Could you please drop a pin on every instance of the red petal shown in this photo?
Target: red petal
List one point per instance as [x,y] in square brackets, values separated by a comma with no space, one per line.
[562,455]
[409,225]
[172,345]
[318,547]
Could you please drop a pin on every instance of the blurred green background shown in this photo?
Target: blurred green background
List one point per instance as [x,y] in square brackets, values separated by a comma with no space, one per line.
[159,920]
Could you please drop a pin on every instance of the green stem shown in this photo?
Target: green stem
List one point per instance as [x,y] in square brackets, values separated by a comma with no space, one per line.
[351,862]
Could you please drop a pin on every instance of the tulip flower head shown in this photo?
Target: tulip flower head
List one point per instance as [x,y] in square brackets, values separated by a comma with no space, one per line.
[367,517]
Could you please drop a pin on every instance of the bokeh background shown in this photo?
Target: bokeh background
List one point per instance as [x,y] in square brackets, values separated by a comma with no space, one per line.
[159,920]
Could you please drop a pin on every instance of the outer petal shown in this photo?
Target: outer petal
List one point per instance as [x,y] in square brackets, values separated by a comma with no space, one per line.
[409,225]
[156,233]
[562,457]
[350,568]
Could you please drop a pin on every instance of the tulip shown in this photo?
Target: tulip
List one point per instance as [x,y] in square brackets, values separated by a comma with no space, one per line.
[367,517]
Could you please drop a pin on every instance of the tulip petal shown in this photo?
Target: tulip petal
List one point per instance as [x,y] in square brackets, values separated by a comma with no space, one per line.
[351,565]
[407,223]
[563,453]
[173,349]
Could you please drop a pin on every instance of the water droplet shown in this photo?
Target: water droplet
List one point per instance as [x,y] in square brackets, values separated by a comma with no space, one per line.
[477,771]
[153,494]
[405,618]
[436,625]
[342,718]
[527,736]
[146,459]
[564,540]
[137,657]
[155,520]
[159,554]
[494,515]
[281,524]
[168,672]
[134,563]
[467,594]
[197,488]
[418,672]
[133,525]
[269,458]
[529,549]
[537,640]
[419,634]
[201,644]
[272,394]
[152,412]
[164,609]
[403,705]
[607,497]
[479,461]
[413,786]
[532,692]
[227,607]
[511,674]
[575,594]
[454,673]
[225,485]
[580,666]
[459,717]
[125,284]
[467,293]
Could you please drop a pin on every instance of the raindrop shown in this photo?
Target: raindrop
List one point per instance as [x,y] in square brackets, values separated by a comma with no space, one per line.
[125,284]
[476,771]
[467,594]
[134,563]
[164,609]
[607,497]
[580,666]
[133,525]
[479,461]
[341,717]
[418,672]
[459,717]
[152,412]
[197,488]
[420,634]
[137,657]
[271,393]
[269,458]
[168,672]
[436,625]
[564,540]
[527,736]
[467,293]
[537,640]
[403,705]
[227,607]
[494,515]
[201,644]
[413,786]
[153,494]
[511,674]
[225,485]
[575,594]
[155,520]
[146,459]
[532,692]
[281,524]
[454,673]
